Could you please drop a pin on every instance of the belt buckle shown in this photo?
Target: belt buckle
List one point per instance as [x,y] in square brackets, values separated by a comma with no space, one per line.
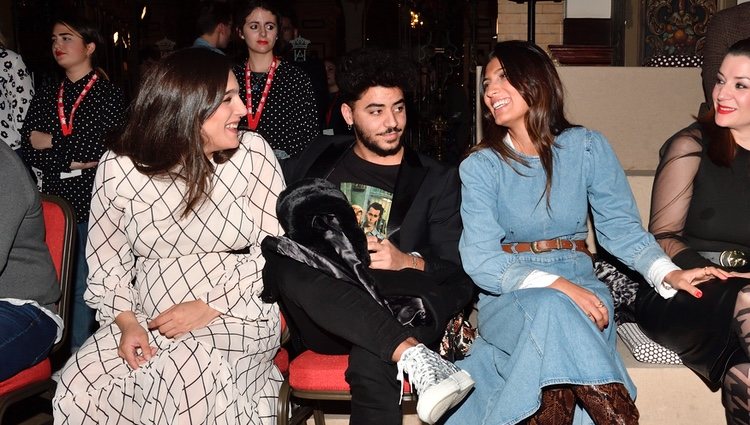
[536,250]
[733,258]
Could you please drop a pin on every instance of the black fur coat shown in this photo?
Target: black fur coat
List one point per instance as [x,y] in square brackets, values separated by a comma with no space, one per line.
[322,232]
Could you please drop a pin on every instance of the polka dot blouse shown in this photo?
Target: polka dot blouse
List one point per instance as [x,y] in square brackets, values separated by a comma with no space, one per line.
[100,113]
[16,91]
[290,117]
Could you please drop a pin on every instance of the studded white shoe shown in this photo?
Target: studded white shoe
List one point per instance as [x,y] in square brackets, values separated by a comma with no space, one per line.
[438,382]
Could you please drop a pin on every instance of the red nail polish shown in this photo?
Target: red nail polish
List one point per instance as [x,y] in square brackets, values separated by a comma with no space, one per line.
[698,294]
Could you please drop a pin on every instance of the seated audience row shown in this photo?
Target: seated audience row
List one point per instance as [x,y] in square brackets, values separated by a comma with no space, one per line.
[184,333]
[192,239]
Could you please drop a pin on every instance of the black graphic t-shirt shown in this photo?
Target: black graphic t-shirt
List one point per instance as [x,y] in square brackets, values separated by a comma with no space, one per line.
[369,188]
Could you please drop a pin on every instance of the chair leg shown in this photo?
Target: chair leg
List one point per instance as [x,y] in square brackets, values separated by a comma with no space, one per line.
[319,416]
[282,405]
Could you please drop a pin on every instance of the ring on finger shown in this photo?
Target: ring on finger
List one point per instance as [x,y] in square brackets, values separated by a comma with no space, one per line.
[705,271]
[600,305]
[591,316]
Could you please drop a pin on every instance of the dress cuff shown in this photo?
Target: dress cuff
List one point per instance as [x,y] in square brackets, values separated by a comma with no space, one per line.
[656,274]
[538,279]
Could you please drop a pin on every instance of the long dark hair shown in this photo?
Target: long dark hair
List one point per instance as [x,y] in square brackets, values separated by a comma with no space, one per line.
[530,71]
[722,147]
[163,136]
[90,34]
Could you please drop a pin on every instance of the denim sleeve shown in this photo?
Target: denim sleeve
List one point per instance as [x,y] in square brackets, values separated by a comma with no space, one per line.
[491,269]
[616,221]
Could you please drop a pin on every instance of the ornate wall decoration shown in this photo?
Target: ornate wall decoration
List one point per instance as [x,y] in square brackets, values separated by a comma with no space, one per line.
[676,27]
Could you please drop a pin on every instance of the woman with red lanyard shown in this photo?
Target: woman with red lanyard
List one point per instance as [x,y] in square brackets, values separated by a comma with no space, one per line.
[280,100]
[63,136]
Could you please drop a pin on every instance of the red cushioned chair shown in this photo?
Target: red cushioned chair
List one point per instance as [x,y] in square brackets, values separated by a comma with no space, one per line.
[314,378]
[282,357]
[59,224]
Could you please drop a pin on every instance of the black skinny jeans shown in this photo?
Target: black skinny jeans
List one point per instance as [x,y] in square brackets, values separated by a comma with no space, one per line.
[332,316]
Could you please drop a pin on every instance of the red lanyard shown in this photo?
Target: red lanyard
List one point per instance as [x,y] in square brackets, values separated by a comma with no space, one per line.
[67,127]
[254,119]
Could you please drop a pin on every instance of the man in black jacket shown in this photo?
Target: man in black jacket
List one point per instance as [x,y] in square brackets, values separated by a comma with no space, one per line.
[418,255]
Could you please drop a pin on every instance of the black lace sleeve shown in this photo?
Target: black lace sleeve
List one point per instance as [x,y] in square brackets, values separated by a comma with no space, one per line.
[672,194]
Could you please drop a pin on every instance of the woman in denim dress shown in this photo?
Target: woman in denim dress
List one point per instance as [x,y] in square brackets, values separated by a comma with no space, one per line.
[546,346]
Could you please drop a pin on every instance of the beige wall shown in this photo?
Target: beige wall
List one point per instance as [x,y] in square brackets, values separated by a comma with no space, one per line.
[511,23]
[636,108]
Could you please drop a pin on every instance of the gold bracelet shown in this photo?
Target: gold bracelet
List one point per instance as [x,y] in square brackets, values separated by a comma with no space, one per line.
[413,261]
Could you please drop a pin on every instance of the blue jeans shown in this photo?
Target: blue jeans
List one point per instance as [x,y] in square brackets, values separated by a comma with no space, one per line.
[83,319]
[26,336]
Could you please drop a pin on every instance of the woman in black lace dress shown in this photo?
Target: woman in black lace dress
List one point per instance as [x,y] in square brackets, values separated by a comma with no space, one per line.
[699,214]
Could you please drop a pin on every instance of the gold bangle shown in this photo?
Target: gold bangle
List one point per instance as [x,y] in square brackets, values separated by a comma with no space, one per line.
[413,261]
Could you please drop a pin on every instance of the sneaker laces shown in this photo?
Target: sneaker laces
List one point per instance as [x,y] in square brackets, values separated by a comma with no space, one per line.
[425,368]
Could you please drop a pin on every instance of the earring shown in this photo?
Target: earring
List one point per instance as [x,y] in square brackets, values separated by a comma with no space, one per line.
[349,127]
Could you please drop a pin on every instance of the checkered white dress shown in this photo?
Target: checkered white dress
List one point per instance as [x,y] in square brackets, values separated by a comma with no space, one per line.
[144,258]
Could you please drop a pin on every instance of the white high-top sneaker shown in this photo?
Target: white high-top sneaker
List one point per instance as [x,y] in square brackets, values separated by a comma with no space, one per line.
[438,382]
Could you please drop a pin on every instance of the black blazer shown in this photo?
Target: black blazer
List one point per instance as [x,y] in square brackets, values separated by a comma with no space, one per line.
[425,214]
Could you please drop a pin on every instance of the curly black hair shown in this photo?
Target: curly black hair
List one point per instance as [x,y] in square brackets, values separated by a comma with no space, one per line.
[370,67]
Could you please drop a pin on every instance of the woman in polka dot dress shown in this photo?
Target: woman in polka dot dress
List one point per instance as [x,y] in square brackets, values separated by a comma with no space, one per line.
[281,103]
[63,136]
[16,91]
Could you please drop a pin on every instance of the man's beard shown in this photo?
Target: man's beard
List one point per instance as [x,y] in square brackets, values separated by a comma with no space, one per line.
[372,146]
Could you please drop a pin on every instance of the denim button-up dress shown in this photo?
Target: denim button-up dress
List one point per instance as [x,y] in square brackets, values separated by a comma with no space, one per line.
[535,337]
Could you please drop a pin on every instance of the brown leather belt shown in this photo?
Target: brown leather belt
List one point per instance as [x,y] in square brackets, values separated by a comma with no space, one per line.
[538,247]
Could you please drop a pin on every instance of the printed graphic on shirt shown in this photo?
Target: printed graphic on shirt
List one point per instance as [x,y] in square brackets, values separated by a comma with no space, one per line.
[372,207]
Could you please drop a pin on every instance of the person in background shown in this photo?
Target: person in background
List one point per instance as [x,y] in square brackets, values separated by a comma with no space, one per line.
[300,56]
[214,25]
[64,135]
[333,122]
[180,206]
[279,97]
[546,349]
[28,281]
[16,92]
[725,28]
[699,208]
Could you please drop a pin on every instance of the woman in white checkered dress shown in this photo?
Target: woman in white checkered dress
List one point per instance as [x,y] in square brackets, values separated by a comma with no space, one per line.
[179,209]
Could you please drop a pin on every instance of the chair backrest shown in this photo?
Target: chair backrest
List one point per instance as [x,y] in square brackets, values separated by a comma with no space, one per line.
[60,233]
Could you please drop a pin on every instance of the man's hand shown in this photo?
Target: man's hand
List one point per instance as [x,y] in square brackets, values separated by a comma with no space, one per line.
[182,318]
[386,256]
[40,140]
[133,348]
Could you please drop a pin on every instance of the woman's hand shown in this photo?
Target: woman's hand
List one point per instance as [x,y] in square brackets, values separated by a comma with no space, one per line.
[586,300]
[133,348]
[40,140]
[83,165]
[182,318]
[686,280]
